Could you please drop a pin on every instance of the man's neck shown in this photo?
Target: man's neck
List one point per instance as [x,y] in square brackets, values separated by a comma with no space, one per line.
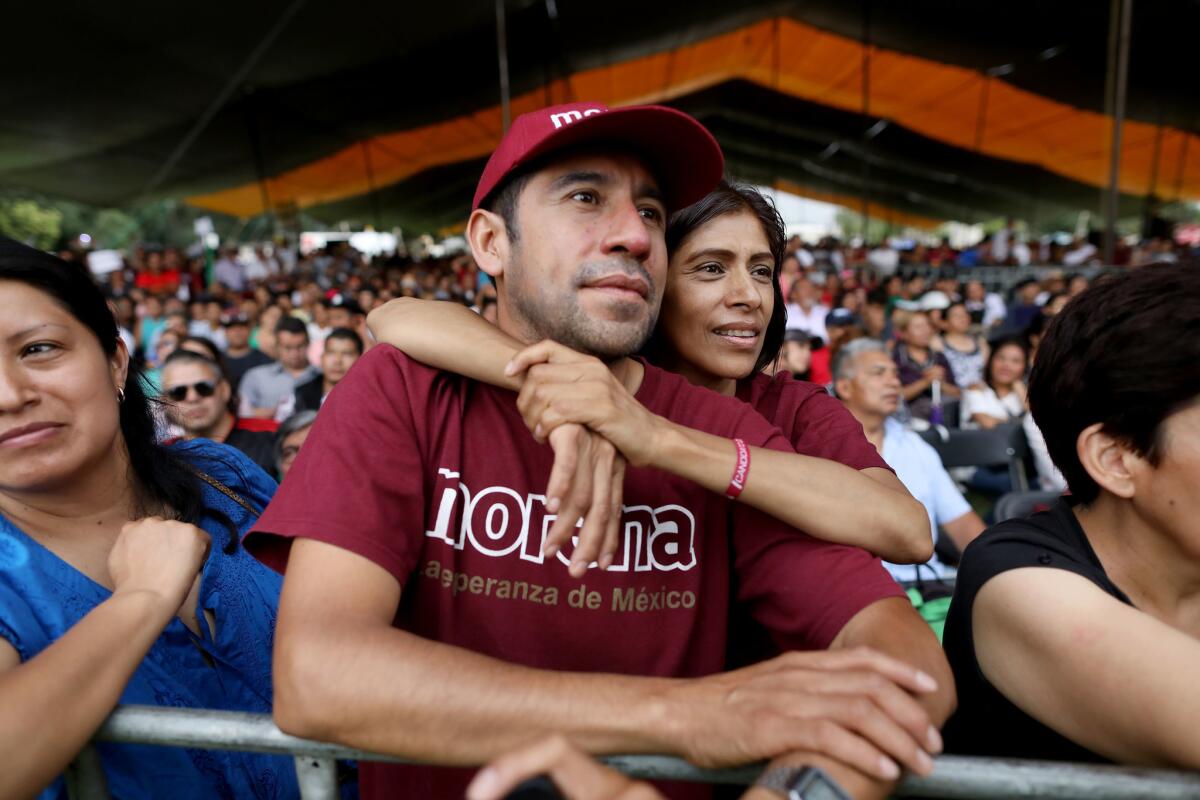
[326,386]
[218,432]
[873,426]
[628,371]
[1146,563]
[237,352]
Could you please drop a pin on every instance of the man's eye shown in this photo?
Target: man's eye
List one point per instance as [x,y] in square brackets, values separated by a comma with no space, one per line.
[584,197]
[651,213]
[712,268]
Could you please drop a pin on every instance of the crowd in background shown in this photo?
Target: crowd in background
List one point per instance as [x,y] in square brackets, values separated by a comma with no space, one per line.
[282,328]
[243,347]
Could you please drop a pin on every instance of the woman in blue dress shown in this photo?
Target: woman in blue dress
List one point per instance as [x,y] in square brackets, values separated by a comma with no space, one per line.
[121,577]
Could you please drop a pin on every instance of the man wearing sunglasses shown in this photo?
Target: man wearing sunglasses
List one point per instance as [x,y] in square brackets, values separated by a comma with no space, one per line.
[200,401]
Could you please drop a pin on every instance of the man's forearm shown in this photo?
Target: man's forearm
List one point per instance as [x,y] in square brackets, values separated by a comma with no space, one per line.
[892,627]
[389,691]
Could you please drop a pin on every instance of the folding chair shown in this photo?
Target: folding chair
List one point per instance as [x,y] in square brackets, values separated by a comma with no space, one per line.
[1018,505]
[1003,445]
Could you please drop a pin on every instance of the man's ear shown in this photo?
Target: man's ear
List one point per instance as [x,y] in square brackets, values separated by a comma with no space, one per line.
[1109,461]
[841,387]
[488,237]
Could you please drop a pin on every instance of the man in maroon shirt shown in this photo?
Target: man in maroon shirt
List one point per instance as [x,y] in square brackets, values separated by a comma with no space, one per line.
[421,615]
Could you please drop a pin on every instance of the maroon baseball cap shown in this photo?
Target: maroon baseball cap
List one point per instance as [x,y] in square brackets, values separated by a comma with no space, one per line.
[684,156]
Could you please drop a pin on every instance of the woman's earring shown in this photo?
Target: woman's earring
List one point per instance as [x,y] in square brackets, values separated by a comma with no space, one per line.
[120,394]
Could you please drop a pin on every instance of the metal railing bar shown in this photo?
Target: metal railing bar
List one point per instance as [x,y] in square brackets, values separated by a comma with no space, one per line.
[317,778]
[85,776]
[953,777]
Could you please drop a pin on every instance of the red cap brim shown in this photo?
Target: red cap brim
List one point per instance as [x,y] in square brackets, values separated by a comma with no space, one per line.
[684,156]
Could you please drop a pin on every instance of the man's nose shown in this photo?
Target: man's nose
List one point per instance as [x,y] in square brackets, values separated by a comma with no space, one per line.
[628,232]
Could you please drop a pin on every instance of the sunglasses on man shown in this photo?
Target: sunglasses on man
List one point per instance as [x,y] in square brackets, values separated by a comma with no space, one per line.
[180,392]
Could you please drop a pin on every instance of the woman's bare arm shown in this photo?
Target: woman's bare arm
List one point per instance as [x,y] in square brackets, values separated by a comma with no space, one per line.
[448,336]
[869,509]
[824,498]
[54,702]
[987,421]
[1101,673]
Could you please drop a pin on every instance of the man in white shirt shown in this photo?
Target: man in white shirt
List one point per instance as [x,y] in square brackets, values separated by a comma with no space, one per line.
[868,382]
[804,312]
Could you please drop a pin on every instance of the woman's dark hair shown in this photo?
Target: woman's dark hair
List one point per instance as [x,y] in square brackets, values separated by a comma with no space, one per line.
[730,198]
[1008,341]
[161,476]
[1123,353]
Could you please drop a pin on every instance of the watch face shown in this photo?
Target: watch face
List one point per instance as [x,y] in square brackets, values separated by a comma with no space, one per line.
[821,789]
[813,784]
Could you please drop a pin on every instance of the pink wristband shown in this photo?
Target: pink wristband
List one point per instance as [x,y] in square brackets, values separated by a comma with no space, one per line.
[741,470]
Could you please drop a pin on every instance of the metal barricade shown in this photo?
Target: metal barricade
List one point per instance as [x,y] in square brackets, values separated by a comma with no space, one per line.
[953,776]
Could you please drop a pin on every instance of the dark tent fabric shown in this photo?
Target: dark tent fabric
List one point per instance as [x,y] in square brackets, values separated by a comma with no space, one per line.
[913,180]
[383,112]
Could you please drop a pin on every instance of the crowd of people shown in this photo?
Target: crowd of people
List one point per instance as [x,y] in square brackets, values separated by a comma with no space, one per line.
[277,309]
[649,483]
[1008,247]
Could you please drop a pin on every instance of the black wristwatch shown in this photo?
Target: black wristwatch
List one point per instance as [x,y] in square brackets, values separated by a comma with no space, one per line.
[802,783]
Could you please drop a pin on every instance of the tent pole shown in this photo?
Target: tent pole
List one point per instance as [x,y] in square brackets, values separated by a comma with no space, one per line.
[372,188]
[222,98]
[502,55]
[866,110]
[982,116]
[1181,170]
[1150,207]
[1121,82]
[256,152]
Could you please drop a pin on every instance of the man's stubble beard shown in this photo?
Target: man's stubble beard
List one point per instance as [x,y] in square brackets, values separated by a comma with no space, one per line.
[563,320]
[198,430]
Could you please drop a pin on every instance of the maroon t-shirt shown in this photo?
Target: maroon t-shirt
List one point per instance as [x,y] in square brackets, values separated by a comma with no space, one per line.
[816,423]
[436,479]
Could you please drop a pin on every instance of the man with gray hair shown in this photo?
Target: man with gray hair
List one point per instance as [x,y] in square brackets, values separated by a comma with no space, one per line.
[867,381]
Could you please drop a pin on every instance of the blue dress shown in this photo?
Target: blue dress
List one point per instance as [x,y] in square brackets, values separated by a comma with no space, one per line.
[41,597]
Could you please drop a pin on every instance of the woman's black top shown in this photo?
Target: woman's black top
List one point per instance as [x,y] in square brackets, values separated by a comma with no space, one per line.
[986,723]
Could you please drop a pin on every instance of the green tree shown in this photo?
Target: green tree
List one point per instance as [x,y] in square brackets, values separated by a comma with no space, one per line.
[29,222]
